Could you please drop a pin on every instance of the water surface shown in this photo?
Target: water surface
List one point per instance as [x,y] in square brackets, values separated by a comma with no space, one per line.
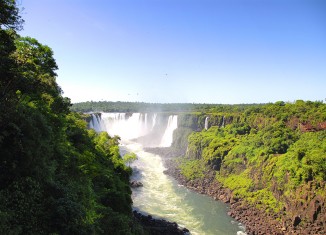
[162,197]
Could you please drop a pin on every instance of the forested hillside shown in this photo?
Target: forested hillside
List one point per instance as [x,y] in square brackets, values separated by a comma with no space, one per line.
[272,158]
[56,176]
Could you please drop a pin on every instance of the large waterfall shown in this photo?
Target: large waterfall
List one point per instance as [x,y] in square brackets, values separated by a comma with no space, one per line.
[168,134]
[149,129]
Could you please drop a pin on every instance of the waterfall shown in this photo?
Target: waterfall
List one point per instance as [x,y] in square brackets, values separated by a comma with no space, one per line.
[168,134]
[127,127]
[223,122]
[149,129]
[146,120]
[154,120]
[96,123]
[206,123]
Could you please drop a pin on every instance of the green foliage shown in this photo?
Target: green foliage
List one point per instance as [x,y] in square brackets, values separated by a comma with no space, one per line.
[56,176]
[240,184]
[265,199]
[180,136]
[264,153]
[107,106]
[193,169]
[129,158]
[9,15]
[188,120]
[243,186]
[305,161]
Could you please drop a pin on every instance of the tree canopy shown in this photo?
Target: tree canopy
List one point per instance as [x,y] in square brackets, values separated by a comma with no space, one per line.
[56,176]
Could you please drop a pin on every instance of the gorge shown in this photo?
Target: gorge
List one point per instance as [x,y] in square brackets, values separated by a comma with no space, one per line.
[161,195]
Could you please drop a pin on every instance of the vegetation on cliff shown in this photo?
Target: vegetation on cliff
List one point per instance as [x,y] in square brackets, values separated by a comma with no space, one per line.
[56,176]
[272,156]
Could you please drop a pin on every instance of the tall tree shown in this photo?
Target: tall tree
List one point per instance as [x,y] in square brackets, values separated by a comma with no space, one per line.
[10,21]
[9,15]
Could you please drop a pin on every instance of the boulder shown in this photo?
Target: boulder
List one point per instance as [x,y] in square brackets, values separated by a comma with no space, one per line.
[136,184]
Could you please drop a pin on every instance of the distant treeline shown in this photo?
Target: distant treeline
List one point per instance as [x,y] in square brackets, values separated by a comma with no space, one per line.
[108,106]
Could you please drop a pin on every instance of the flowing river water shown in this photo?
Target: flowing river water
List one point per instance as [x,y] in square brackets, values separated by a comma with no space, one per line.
[162,197]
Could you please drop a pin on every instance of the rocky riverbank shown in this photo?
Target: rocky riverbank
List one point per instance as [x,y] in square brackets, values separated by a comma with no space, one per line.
[158,226]
[255,220]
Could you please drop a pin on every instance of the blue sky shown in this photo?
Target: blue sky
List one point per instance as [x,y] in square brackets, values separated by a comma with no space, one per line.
[201,51]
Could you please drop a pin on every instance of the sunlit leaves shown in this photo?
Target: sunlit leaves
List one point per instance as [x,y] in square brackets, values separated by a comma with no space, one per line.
[270,147]
[9,15]
[56,176]
[129,158]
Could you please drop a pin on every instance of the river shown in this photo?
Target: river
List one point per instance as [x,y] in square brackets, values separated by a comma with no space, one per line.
[162,197]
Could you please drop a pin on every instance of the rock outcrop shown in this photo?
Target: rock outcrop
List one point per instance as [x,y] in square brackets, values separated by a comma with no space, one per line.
[136,184]
[159,226]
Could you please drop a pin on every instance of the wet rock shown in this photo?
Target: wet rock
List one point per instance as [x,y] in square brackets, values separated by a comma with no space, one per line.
[159,226]
[136,184]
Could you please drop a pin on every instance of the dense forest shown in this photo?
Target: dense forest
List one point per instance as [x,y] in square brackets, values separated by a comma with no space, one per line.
[56,176]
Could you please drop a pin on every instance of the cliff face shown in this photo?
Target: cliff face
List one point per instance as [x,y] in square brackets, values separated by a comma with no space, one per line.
[192,122]
[268,163]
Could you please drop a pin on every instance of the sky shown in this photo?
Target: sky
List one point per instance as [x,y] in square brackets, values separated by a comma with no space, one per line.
[184,51]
